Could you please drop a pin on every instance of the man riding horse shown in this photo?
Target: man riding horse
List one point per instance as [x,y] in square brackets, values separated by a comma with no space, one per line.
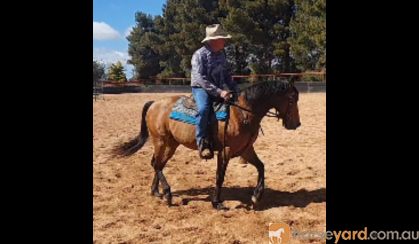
[208,79]
[230,140]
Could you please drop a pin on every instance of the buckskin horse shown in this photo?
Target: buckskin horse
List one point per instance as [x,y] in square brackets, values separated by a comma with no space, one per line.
[234,140]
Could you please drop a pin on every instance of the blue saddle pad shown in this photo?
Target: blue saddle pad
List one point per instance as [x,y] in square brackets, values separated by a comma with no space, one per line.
[185,111]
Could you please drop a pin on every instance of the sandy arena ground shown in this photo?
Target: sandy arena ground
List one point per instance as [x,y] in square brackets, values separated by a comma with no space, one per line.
[124,211]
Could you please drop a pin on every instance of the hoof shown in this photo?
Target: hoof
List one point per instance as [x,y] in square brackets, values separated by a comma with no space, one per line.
[156,194]
[219,206]
[254,200]
[206,154]
[168,198]
[254,203]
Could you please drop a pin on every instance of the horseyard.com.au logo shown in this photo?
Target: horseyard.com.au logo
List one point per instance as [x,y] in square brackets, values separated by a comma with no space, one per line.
[279,233]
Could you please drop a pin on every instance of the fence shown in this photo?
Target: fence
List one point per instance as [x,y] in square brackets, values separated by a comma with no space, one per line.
[98,89]
[181,85]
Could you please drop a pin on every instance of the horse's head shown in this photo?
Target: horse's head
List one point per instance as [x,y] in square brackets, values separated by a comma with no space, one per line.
[287,108]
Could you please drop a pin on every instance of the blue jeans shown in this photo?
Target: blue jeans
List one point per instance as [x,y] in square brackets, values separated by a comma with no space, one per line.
[205,111]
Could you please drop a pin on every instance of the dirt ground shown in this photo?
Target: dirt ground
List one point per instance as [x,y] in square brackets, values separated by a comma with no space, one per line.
[125,212]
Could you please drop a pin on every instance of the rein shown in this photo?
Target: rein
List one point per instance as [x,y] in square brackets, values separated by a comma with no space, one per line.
[268,114]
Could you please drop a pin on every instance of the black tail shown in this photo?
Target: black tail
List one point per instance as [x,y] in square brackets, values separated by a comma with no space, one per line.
[129,148]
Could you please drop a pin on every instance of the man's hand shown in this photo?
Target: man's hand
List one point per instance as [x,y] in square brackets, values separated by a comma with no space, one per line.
[226,95]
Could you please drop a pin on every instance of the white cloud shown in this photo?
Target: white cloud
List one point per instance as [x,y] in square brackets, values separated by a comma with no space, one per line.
[128,31]
[109,57]
[103,31]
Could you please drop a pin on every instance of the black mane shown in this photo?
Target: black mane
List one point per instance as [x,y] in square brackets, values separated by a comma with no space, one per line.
[266,88]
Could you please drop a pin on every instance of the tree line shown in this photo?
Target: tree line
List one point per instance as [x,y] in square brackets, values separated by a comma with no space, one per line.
[268,36]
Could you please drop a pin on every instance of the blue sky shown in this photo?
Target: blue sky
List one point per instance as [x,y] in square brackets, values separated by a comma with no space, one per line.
[112,20]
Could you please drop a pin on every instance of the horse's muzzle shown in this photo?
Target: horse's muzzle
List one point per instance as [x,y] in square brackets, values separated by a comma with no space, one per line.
[293,126]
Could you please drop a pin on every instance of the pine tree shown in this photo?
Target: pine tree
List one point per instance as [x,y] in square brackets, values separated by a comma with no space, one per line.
[116,72]
[183,28]
[261,29]
[142,48]
[308,39]
[98,71]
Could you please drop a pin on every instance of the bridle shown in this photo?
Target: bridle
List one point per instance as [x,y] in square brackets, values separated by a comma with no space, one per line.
[276,114]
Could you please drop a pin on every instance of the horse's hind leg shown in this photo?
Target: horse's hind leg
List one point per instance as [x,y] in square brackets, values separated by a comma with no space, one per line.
[155,184]
[163,151]
[250,156]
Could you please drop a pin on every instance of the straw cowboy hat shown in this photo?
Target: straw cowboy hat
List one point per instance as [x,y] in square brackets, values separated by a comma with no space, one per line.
[215,31]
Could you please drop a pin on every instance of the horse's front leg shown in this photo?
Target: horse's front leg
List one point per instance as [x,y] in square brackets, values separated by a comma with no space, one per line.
[221,169]
[250,156]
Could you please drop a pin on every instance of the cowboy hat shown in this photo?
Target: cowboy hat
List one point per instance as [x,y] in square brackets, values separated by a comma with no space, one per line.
[215,31]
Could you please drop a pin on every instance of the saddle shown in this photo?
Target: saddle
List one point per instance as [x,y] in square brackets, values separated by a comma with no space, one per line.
[185,110]
[190,103]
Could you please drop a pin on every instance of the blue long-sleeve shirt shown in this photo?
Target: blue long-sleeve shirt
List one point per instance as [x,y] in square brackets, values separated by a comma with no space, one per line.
[210,71]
